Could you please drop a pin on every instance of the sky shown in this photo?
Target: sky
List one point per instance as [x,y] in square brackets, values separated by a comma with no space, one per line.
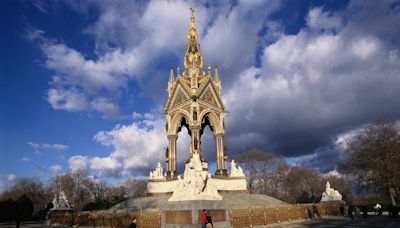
[83,83]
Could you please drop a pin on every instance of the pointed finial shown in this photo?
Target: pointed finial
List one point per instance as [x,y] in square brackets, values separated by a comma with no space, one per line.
[209,70]
[171,75]
[178,71]
[216,77]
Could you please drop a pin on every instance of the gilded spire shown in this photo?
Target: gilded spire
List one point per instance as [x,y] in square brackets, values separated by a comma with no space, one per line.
[193,57]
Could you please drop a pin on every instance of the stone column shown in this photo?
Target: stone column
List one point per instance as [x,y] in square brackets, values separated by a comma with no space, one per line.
[171,164]
[220,161]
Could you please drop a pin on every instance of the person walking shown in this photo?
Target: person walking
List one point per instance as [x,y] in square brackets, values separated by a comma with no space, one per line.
[364,211]
[203,218]
[378,209]
[350,212]
[209,223]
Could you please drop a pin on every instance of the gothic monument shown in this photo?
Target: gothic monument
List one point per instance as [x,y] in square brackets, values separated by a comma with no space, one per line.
[194,101]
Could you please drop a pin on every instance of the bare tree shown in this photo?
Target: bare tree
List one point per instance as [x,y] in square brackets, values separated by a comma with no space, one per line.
[255,164]
[342,184]
[303,185]
[32,188]
[135,188]
[374,157]
[78,187]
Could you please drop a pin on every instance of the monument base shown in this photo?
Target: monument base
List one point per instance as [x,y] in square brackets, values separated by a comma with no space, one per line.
[221,172]
[187,213]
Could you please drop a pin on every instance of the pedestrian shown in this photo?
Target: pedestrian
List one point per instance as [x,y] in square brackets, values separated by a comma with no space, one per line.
[350,212]
[209,223]
[341,210]
[133,223]
[203,218]
[315,213]
[364,211]
[378,209]
[390,210]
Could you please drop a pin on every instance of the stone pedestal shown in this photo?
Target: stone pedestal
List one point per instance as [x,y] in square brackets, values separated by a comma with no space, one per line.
[221,172]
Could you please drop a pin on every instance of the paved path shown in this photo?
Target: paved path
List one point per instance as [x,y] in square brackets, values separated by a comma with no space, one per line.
[336,221]
[22,225]
[326,222]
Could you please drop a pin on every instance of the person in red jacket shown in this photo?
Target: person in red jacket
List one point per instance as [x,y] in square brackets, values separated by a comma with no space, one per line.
[203,218]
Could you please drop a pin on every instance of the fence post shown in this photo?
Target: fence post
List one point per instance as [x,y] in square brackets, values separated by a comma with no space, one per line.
[230,211]
[250,218]
[141,217]
[265,216]
[277,215]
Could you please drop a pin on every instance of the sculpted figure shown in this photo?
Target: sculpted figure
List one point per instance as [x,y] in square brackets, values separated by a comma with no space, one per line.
[236,170]
[330,194]
[60,201]
[157,174]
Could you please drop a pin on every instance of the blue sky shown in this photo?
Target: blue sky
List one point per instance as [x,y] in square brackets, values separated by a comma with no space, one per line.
[83,83]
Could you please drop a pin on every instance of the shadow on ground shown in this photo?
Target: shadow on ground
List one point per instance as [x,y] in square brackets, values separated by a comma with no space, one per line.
[336,221]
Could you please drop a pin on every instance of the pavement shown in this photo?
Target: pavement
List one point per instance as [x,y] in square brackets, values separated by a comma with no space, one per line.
[325,222]
[339,221]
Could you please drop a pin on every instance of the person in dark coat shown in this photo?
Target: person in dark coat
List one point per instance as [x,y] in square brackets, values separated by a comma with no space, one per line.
[209,223]
[315,213]
[350,212]
[133,224]
[364,211]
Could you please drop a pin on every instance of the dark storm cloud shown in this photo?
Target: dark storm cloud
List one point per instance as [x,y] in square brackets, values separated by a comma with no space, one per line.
[336,74]
[319,83]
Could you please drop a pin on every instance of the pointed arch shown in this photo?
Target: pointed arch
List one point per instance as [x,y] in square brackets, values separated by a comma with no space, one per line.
[176,122]
[210,118]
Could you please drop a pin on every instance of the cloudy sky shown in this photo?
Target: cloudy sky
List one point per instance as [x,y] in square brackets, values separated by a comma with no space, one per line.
[83,83]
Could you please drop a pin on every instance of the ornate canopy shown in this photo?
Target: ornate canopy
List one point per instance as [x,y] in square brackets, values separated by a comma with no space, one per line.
[194,100]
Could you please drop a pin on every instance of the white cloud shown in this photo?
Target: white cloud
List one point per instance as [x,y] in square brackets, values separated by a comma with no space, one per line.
[333,173]
[149,116]
[55,146]
[136,116]
[55,168]
[11,177]
[337,73]
[137,145]
[69,100]
[77,162]
[342,141]
[314,86]
[130,38]
[107,107]
[317,19]
[40,148]
[106,163]
[365,47]
[25,159]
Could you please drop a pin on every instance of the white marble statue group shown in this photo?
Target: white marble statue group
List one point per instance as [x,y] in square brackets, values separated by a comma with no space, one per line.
[60,201]
[157,174]
[330,194]
[196,182]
